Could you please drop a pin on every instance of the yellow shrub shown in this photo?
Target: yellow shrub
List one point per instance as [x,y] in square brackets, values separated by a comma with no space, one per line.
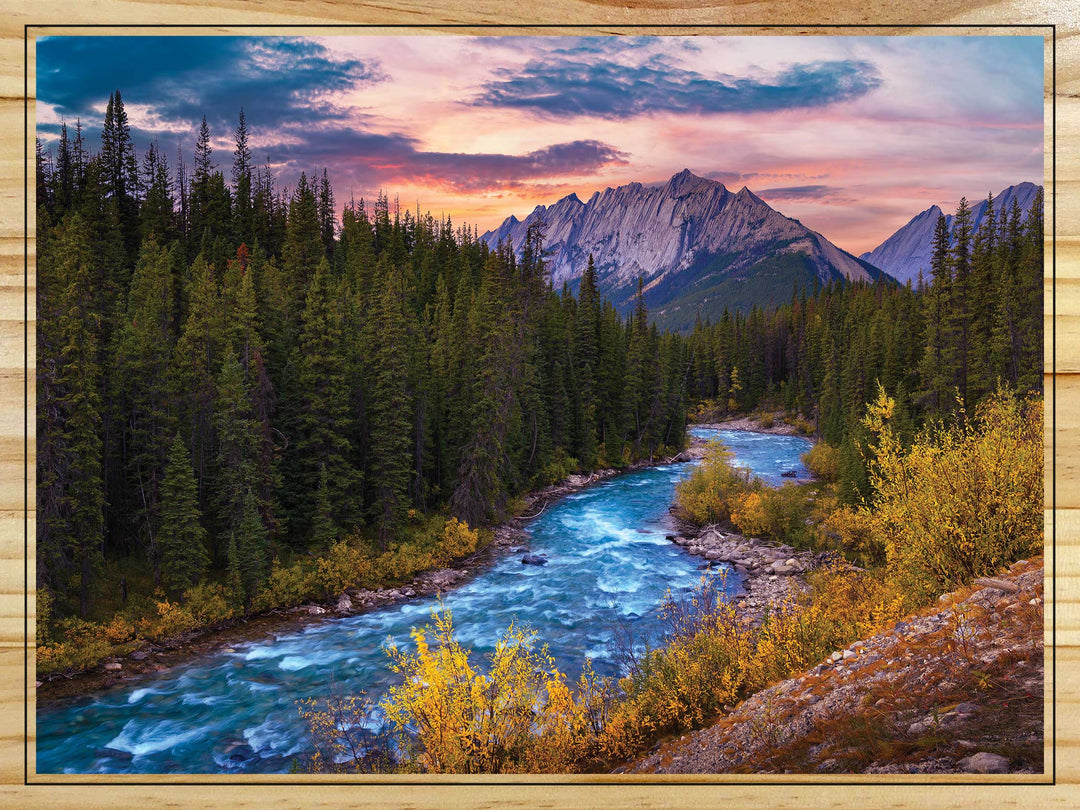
[285,587]
[963,501]
[854,531]
[857,604]
[80,645]
[343,567]
[44,616]
[712,658]
[173,619]
[119,630]
[400,564]
[457,540]
[713,490]
[208,603]
[562,464]
[823,461]
[778,513]
[517,717]
[340,737]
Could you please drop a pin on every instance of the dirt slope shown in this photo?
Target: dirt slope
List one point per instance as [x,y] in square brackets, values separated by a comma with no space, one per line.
[957,688]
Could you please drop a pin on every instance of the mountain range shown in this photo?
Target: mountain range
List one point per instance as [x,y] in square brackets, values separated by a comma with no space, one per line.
[908,250]
[699,247]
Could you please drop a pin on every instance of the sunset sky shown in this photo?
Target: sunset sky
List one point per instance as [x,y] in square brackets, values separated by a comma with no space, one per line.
[852,136]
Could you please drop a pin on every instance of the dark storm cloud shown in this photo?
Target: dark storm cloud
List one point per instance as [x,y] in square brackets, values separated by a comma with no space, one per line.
[283,85]
[562,88]
[277,80]
[372,160]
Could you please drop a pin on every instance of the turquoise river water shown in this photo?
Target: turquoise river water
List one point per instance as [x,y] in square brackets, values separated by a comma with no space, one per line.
[235,711]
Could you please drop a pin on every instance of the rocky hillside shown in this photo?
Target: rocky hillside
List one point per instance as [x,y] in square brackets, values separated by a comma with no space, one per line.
[908,250]
[699,247]
[955,689]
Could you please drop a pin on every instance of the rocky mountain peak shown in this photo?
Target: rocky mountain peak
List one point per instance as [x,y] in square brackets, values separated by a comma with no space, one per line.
[688,233]
[908,251]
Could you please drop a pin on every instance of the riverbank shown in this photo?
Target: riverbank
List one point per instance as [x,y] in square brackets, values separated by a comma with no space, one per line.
[956,688]
[769,575]
[154,657]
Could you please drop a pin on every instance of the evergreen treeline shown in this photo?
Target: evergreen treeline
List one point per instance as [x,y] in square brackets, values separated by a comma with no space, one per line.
[228,373]
[978,322]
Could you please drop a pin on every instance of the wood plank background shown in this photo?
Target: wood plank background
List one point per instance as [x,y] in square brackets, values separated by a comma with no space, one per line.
[601,16]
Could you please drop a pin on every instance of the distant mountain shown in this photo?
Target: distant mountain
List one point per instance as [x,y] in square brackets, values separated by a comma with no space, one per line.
[908,250]
[699,247]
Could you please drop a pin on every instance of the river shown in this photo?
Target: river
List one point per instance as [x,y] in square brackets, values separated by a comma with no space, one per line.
[610,566]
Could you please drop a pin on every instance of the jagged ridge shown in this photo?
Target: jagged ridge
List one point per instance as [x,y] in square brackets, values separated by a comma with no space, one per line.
[908,250]
[687,238]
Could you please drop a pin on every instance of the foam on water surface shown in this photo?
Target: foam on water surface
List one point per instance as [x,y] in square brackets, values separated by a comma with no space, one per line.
[608,564]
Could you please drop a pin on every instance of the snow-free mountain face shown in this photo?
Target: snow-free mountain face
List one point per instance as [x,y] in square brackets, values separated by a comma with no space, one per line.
[908,250]
[699,247]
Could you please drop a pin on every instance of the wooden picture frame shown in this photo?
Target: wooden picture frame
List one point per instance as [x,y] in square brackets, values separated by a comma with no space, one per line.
[20,787]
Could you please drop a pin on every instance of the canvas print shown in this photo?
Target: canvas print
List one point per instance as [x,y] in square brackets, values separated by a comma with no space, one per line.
[560,405]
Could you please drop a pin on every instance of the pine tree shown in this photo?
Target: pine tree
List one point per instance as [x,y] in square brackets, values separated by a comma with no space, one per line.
[303,249]
[195,362]
[479,495]
[120,172]
[243,212]
[390,409]
[182,537]
[324,428]
[70,489]
[157,217]
[144,346]
[327,215]
[324,530]
[960,303]
[936,371]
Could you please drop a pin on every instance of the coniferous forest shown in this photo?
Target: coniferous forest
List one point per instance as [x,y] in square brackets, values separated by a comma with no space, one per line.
[234,377]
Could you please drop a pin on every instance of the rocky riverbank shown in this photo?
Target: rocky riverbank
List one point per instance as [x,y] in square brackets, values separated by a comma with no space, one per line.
[957,688]
[156,657]
[768,574]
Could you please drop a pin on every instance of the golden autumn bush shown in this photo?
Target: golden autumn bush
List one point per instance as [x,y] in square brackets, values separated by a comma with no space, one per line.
[77,644]
[343,566]
[562,464]
[339,729]
[963,500]
[209,603]
[518,716]
[285,586]
[823,461]
[853,529]
[777,513]
[713,490]
[173,619]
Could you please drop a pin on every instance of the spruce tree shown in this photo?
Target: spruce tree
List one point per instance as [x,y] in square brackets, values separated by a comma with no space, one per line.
[391,409]
[182,536]
[243,212]
[323,432]
[70,489]
[145,344]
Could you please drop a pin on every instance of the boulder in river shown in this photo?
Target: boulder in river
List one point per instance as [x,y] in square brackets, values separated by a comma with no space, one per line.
[533,559]
[789,474]
[113,753]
